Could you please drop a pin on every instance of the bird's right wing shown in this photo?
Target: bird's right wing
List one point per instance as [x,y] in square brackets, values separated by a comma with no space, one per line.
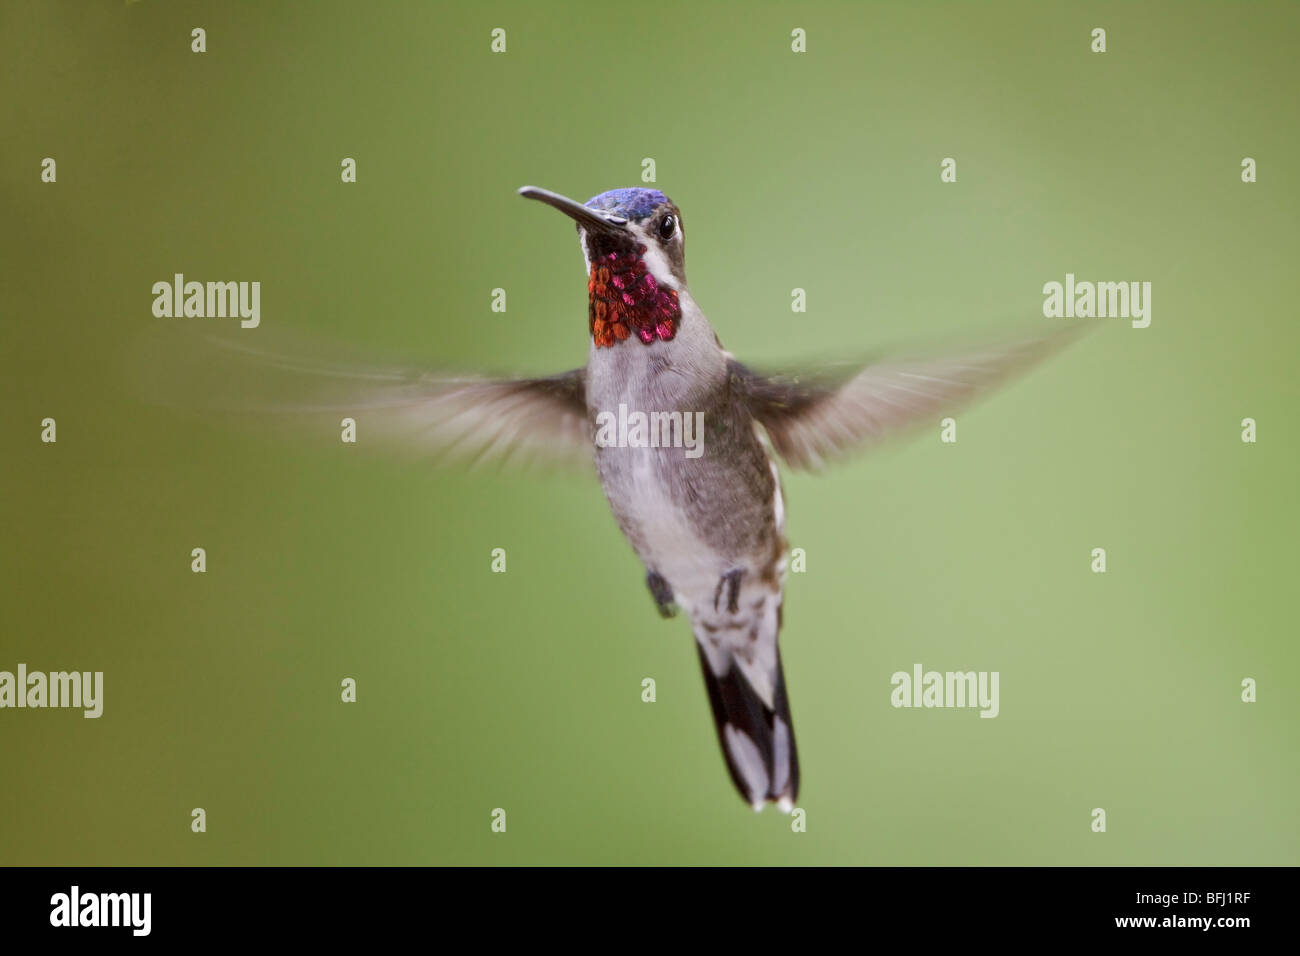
[468,419]
[816,416]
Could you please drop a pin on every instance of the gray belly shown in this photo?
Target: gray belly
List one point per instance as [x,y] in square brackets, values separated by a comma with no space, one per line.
[692,519]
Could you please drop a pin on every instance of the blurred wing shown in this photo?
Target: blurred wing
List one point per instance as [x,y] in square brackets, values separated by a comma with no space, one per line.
[512,422]
[813,418]
[463,418]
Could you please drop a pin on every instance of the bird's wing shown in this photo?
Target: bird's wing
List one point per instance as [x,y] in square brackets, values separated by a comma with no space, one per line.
[463,418]
[479,420]
[827,413]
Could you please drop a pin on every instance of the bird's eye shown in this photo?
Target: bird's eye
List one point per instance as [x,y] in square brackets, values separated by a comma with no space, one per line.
[668,228]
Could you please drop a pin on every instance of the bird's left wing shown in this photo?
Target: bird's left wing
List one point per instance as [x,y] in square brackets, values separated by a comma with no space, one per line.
[470,419]
[827,413]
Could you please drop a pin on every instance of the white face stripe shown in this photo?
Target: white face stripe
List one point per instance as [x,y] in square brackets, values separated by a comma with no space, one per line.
[586,256]
[655,260]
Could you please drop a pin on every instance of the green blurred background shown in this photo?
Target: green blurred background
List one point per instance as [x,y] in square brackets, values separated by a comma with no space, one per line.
[522,691]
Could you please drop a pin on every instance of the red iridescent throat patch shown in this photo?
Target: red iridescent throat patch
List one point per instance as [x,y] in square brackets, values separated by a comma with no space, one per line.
[625,299]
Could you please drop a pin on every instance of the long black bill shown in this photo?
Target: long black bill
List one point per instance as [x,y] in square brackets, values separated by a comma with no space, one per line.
[591,219]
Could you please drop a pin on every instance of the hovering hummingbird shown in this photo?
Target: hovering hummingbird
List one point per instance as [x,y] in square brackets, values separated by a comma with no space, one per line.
[710,530]
[709,527]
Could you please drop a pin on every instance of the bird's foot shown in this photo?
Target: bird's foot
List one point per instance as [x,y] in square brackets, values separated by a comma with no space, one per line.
[662,592]
[729,584]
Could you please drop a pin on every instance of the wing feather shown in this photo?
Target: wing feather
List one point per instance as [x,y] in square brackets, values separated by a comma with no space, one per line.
[479,420]
[816,417]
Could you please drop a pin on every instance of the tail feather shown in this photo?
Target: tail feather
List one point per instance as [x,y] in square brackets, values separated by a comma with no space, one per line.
[757,741]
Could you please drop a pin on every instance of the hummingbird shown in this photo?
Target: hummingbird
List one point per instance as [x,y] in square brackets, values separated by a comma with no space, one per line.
[708,526]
